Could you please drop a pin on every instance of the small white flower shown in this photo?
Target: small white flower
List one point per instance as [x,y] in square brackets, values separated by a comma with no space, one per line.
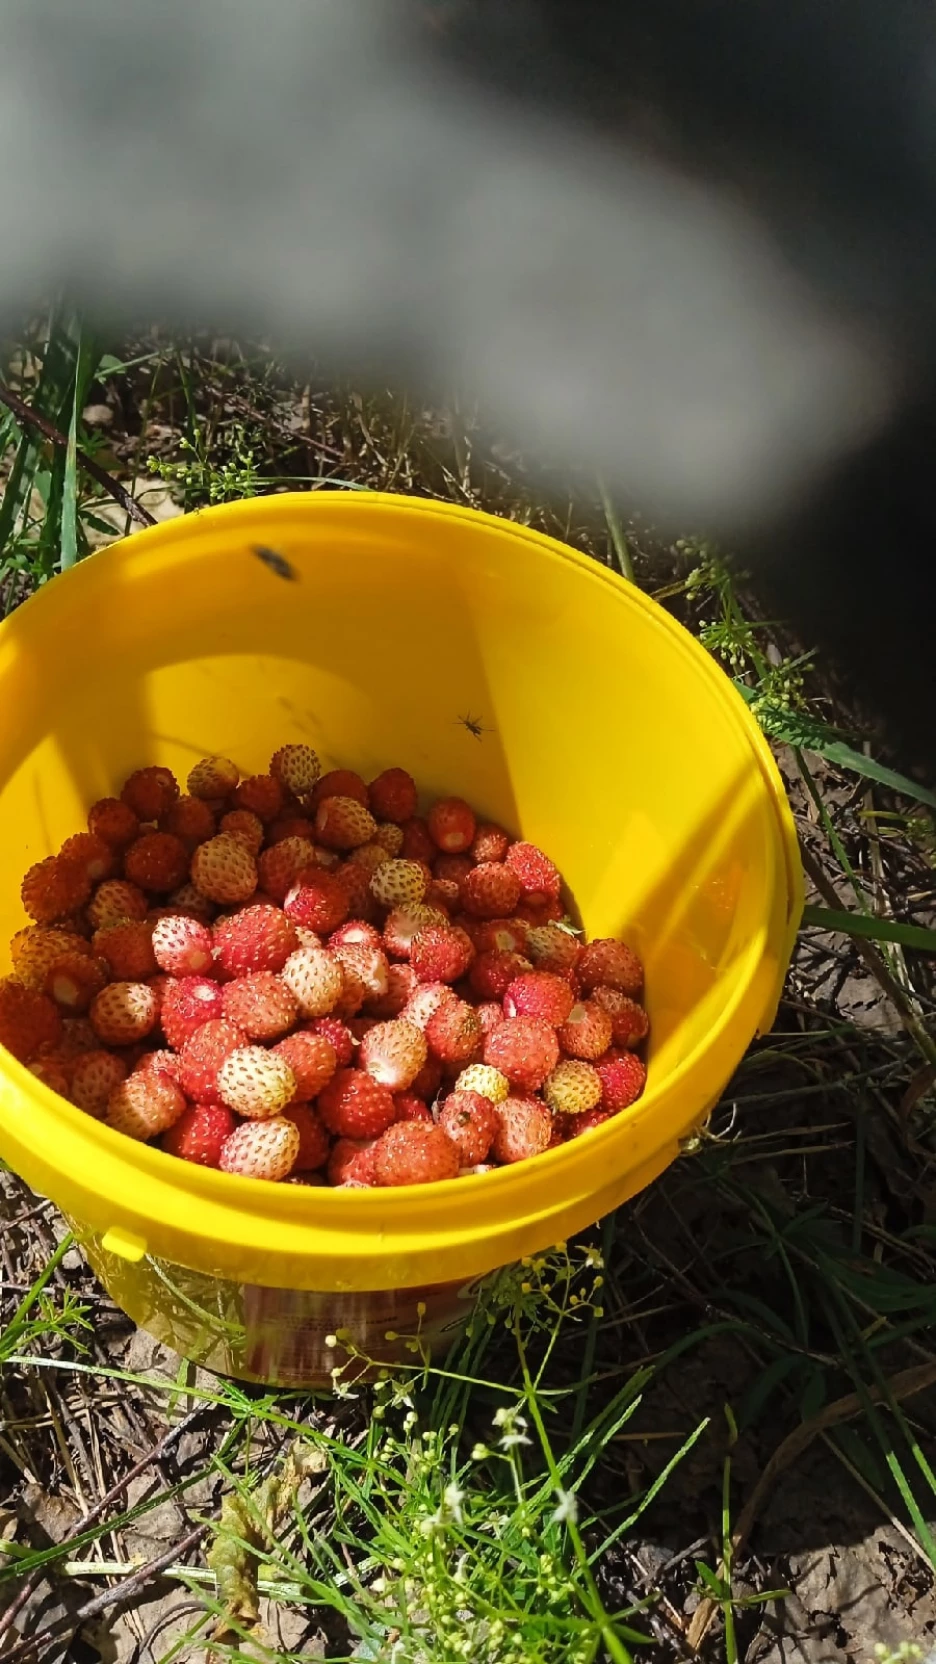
[567,1511]
[452,1499]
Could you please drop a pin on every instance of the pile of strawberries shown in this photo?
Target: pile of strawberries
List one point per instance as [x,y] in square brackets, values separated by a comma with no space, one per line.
[295,975]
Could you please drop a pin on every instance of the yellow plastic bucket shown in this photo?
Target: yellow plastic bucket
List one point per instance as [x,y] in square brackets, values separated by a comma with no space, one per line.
[608,736]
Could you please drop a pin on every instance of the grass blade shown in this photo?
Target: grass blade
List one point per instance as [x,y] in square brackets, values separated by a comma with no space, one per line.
[872,929]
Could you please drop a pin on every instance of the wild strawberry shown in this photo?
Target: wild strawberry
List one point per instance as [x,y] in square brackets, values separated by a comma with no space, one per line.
[539,994]
[339,782]
[213,779]
[629,1021]
[186,1005]
[453,1032]
[354,1105]
[490,843]
[417,842]
[127,949]
[623,1078]
[314,977]
[286,826]
[157,861]
[37,948]
[491,890]
[426,999]
[256,1083]
[53,888]
[393,1053]
[482,1078]
[572,1126]
[489,1015]
[278,867]
[261,1004]
[440,953]
[241,823]
[398,883]
[182,946]
[28,1019]
[501,936]
[77,1037]
[200,1133]
[365,970]
[150,792]
[426,1084]
[202,1056]
[314,1142]
[403,924]
[572,1088]
[224,870]
[317,899]
[312,1059]
[124,1012]
[444,894]
[352,1162]
[355,881]
[612,964]
[259,938]
[524,1129]
[144,1105]
[524,1049]
[92,853]
[553,949]
[392,796]
[113,822]
[491,974]
[355,933]
[53,1074]
[586,1031]
[401,985]
[452,867]
[471,1122]
[297,768]
[451,825]
[190,820]
[411,1152]
[411,1108]
[261,1149]
[343,823]
[73,981]
[114,901]
[167,1062]
[537,874]
[262,795]
[389,836]
[337,1034]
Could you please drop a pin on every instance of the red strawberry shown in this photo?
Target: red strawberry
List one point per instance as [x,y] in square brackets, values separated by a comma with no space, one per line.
[339,782]
[393,1053]
[187,1003]
[224,870]
[312,1059]
[553,949]
[453,1032]
[489,1016]
[410,1152]
[355,933]
[92,853]
[278,867]
[338,1036]
[354,1105]
[572,1088]
[181,946]
[113,822]
[124,1012]
[392,796]
[262,795]
[629,1021]
[314,1142]
[297,768]
[200,1133]
[261,1149]
[27,1019]
[623,1078]
[490,842]
[572,1126]
[77,1037]
[150,792]
[351,1162]
[259,938]
[428,1081]
[145,1105]
[53,888]
[343,823]
[491,890]
[355,880]
[524,1129]
[426,999]
[256,1083]
[93,1079]
[471,1123]
[537,874]
[586,1031]
[289,826]
[451,825]
[440,953]
[611,963]
[417,844]
[213,778]
[127,950]
[314,977]
[539,994]
[168,1062]
[202,1056]
[261,1004]
[74,980]
[492,973]
[536,910]
[242,823]
[114,901]
[190,820]
[318,899]
[409,1107]
[445,894]
[452,868]
[501,936]
[524,1049]
[52,1072]
[404,924]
